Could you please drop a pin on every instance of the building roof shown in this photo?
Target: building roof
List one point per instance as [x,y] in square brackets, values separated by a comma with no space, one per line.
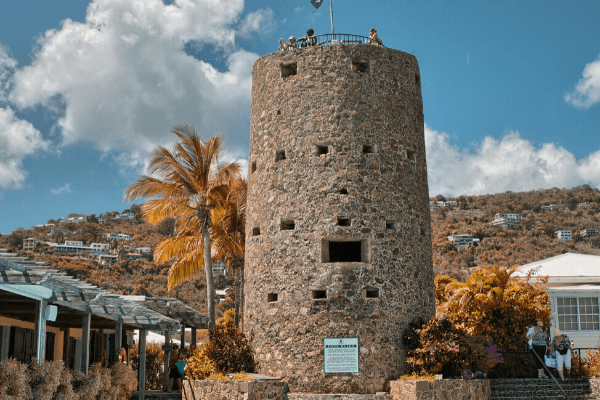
[173,308]
[576,288]
[75,298]
[567,268]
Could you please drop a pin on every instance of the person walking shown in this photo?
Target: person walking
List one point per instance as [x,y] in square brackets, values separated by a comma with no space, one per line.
[562,345]
[536,337]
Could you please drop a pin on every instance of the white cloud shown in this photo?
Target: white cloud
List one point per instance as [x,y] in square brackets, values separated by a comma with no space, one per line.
[62,190]
[18,139]
[125,80]
[7,66]
[512,163]
[260,21]
[587,90]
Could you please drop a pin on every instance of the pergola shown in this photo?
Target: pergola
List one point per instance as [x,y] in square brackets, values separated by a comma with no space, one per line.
[34,292]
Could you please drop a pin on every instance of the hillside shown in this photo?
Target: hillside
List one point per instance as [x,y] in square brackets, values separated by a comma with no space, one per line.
[532,240]
[135,277]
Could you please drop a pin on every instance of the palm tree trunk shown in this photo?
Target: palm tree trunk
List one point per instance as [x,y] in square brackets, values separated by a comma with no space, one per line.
[210,283]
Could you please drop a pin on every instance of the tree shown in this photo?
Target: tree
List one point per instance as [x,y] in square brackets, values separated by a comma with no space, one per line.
[191,181]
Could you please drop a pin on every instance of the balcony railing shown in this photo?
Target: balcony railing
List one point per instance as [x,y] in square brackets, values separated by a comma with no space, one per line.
[329,39]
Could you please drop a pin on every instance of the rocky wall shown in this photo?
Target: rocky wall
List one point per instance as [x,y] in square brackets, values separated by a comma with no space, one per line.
[338,234]
[444,389]
[231,390]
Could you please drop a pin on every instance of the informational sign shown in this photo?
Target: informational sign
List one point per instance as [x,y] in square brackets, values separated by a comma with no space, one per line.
[341,355]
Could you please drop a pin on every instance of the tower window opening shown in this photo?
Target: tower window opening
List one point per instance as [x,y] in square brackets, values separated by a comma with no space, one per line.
[280,155]
[343,191]
[371,293]
[319,294]
[368,149]
[278,112]
[412,155]
[287,225]
[272,297]
[360,64]
[253,166]
[343,222]
[256,231]
[322,150]
[390,225]
[289,69]
[333,251]
[417,79]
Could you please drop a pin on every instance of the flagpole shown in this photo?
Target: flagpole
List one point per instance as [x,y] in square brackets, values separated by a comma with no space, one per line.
[331,12]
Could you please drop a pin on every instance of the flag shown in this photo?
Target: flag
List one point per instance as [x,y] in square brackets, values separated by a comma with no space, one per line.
[316,3]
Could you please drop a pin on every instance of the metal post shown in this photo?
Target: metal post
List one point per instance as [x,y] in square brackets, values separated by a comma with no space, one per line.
[182,336]
[142,371]
[194,339]
[85,343]
[331,13]
[40,331]
[166,358]
[66,346]
[118,338]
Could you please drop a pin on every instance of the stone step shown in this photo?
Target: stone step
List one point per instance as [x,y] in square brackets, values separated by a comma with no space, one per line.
[314,396]
[553,397]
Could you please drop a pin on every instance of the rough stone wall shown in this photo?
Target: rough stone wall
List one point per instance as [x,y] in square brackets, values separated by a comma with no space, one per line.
[231,390]
[369,185]
[445,389]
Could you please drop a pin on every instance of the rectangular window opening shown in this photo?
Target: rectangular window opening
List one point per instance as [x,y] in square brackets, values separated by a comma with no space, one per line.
[322,150]
[372,293]
[272,297]
[319,294]
[360,64]
[343,222]
[411,155]
[333,251]
[368,149]
[253,166]
[287,225]
[255,231]
[289,69]
[278,112]
[343,191]
[280,155]
[390,225]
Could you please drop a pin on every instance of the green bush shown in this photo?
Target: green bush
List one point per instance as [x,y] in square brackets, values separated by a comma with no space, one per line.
[199,365]
[229,349]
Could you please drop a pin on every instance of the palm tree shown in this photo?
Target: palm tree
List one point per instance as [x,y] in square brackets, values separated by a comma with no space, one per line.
[186,182]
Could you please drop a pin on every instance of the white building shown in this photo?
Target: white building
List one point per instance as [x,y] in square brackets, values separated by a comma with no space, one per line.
[574,291]
[108,259]
[221,294]
[30,244]
[463,241]
[584,206]
[65,232]
[507,220]
[117,236]
[553,207]
[100,247]
[563,235]
[76,246]
[126,215]
[143,250]
[588,233]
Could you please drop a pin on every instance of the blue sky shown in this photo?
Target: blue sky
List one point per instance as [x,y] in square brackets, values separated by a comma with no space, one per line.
[510,89]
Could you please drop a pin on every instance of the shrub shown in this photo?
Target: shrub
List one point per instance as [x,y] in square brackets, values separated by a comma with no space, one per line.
[229,349]
[13,379]
[64,391]
[199,365]
[154,365]
[44,378]
[124,379]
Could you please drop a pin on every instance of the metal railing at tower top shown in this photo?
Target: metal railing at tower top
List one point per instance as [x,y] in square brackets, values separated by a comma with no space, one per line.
[329,39]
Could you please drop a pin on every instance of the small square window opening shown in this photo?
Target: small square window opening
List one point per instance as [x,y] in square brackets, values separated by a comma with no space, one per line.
[390,225]
[319,294]
[280,155]
[322,150]
[287,225]
[343,191]
[372,293]
[360,64]
[368,149]
[289,69]
[253,169]
[343,222]
[256,231]
[272,297]
[411,155]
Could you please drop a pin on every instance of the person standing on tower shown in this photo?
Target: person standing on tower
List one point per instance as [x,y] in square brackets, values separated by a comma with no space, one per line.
[374,38]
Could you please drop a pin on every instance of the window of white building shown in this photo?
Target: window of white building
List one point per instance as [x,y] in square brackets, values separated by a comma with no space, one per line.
[578,313]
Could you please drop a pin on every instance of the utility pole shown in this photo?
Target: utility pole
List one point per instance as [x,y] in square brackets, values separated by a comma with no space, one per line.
[331,13]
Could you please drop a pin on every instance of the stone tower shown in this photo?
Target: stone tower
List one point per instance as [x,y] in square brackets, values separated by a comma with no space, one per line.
[338,233]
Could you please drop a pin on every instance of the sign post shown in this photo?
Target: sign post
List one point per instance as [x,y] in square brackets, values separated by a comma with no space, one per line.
[341,355]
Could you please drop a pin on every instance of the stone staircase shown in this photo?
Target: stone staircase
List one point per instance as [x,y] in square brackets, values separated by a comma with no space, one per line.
[546,389]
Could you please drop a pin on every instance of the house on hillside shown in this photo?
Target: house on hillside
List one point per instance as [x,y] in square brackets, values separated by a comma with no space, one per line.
[553,207]
[126,215]
[574,291]
[588,233]
[463,241]
[583,206]
[118,236]
[30,244]
[563,235]
[65,232]
[507,220]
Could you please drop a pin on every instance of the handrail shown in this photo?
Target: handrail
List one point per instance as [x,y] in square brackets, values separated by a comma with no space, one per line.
[548,371]
[328,39]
